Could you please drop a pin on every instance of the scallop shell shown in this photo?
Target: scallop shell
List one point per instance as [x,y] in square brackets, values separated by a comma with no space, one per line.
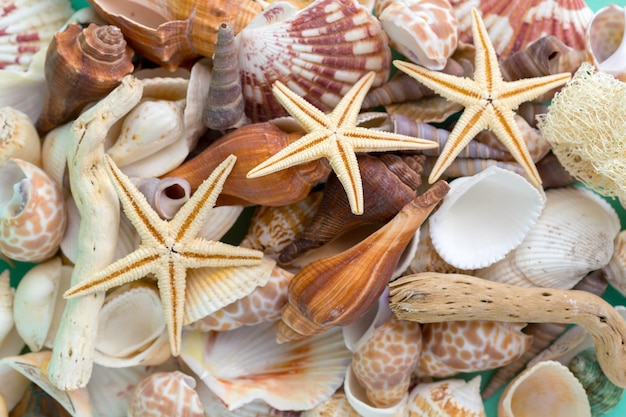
[449,398]
[573,236]
[545,389]
[424,31]
[166,394]
[32,212]
[26,27]
[319,52]
[245,364]
[512,26]
[484,217]
[18,137]
[605,41]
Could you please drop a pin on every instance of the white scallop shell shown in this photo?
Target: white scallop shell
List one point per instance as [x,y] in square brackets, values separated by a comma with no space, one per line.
[483,217]
[449,398]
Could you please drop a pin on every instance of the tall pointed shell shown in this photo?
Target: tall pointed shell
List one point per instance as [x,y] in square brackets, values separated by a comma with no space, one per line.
[606,40]
[246,364]
[82,66]
[502,206]
[319,51]
[32,212]
[338,290]
[424,31]
[545,389]
[449,398]
[18,137]
[166,394]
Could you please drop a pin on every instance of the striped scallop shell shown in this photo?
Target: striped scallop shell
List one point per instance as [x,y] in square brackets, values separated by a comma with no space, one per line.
[513,25]
[319,52]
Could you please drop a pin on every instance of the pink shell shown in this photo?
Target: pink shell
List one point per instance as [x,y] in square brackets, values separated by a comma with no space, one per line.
[606,41]
[166,394]
[319,52]
[512,25]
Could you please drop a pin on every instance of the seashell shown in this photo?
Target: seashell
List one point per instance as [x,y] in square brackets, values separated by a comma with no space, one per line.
[336,291]
[389,183]
[357,398]
[512,28]
[37,402]
[423,31]
[615,270]
[383,364]
[552,173]
[6,305]
[18,137]
[82,65]
[449,348]
[173,33]
[14,384]
[165,195]
[32,212]
[131,328]
[450,398]
[219,222]
[245,364]
[253,144]
[262,305]
[466,167]
[337,405]
[428,109]
[573,236]
[166,394]
[602,394]
[273,228]
[320,52]
[26,27]
[546,389]
[355,334]
[605,40]
[495,229]
[224,109]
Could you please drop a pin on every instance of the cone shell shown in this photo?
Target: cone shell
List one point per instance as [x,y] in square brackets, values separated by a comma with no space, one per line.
[33,217]
[424,31]
[18,137]
[606,41]
[484,217]
[573,236]
[545,389]
[166,394]
[449,398]
[512,27]
[246,363]
[469,346]
[320,52]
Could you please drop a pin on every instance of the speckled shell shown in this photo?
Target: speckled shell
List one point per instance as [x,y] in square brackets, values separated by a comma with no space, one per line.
[320,52]
[166,394]
[424,31]
[512,26]
[447,398]
[605,41]
[32,212]
[173,32]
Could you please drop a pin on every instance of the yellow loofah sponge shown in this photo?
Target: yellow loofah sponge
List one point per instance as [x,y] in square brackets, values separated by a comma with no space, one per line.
[586,126]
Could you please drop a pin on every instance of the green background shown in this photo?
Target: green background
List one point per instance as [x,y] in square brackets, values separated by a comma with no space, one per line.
[612,296]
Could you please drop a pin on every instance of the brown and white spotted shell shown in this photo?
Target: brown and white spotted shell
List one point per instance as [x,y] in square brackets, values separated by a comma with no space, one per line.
[166,394]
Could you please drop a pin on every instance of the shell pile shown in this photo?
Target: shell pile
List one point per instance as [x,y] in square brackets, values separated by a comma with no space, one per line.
[128,132]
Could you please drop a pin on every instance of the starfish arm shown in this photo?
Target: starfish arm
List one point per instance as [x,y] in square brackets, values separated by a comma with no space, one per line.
[145,220]
[344,163]
[368,140]
[309,117]
[514,93]
[486,66]
[132,267]
[189,219]
[458,89]
[505,128]
[205,253]
[308,148]
[171,282]
[472,121]
[346,112]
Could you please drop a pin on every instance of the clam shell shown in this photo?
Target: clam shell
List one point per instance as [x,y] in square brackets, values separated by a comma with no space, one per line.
[483,217]
[18,137]
[545,389]
[166,394]
[245,364]
[449,398]
[320,52]
[605,41]
[573,236]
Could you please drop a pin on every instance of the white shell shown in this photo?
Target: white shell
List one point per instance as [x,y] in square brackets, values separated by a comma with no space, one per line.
[6,306]
[606,40]
[166,196]
[573,236]
[13,384]
[357,398]
[356,333]
[483,217]
[449,398]
[18,137]
[615,270]
[545,389]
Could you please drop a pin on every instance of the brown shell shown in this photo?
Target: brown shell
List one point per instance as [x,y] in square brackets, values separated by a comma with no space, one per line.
[82,66]
[253,144]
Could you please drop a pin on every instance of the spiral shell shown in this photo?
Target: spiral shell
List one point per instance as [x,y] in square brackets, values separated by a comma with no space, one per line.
[606,41]
[18,137]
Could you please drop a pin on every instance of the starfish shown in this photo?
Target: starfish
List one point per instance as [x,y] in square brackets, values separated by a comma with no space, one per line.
[336,137]
[168,248]
[489,102]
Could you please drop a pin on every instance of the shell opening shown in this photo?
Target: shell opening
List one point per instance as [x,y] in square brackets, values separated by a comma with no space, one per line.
[14,190]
